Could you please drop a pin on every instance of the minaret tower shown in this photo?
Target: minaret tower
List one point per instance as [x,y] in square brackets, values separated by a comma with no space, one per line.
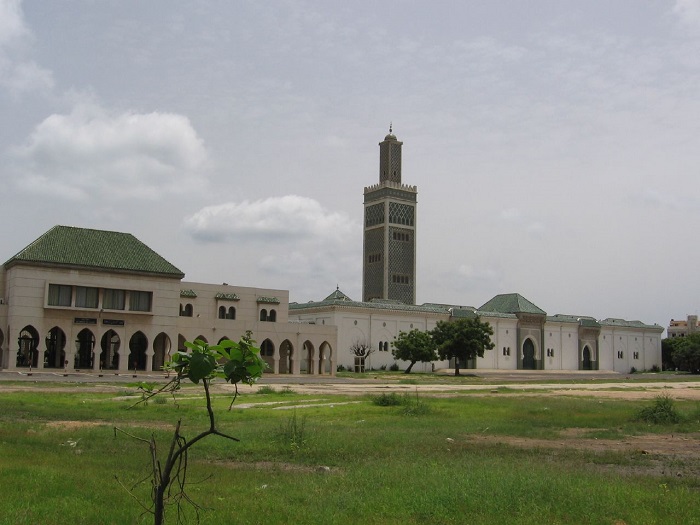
[389,250]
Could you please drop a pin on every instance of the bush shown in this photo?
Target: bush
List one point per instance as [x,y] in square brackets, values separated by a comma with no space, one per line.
[655,369]
[394,367]
[340,368]
[661,412]
[383,367]
[389,400]
[633,370]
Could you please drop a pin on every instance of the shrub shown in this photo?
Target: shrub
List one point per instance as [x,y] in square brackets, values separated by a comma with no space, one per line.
[388,400]
[661,412]
[633,370]
[655,369]
[394,367]
[340,368]
[383,367]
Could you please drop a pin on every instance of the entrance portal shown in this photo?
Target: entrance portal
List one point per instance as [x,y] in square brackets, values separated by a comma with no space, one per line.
[528,355]
[587,358]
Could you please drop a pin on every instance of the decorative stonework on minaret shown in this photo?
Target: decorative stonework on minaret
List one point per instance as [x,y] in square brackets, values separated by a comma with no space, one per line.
[389,250]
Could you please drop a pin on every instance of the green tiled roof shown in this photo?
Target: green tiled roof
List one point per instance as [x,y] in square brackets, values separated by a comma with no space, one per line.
[610,321]
[582,320]
[269,300]
[467,313]
[511,303]
[94,249]
[374,304]
[337,295]
[227,296]
[188,293]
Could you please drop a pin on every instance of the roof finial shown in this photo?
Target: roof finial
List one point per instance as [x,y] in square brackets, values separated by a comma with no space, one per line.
[391,125]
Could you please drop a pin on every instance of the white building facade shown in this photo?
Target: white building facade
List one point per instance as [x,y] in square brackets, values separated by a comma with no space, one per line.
[81,299]
[524,336]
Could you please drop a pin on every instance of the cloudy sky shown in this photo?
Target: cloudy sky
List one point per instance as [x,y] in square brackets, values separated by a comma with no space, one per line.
[554,143]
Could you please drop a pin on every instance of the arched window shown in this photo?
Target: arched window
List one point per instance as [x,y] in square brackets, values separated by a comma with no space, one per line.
[263,315]
[186,311]
[231,313]
[222,312]
[273,316]
[267,349]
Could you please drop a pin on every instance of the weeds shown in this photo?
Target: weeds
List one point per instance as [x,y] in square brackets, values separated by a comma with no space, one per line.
[412,405]
[388,400]
[661,412]
[415,406]
[293,433]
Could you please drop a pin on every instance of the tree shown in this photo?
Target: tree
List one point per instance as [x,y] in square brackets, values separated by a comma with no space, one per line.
[462,339]
[414,346]
[361,350]
[234,361]
[668,347]
[686,353]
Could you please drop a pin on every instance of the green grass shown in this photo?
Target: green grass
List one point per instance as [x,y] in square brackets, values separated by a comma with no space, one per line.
[384,465]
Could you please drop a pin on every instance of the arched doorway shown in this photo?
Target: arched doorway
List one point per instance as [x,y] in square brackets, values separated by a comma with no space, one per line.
[528,355]
[84,349]
[307,361]
[137,351]
[267,352]
[587,363]
[181,343]
[109,356]
[161,351]
[55,353]
[27,345]
[286,357]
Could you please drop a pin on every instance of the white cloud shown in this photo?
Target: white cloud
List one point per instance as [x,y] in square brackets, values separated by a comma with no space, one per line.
[11,21]
[17,73]
[280,218]
[303,245]
[91,153]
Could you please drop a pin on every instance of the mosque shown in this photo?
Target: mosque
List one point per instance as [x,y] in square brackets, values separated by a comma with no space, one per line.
[79,299]
[525,336]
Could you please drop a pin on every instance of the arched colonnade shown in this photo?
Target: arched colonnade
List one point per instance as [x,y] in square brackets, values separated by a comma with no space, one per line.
[112,349]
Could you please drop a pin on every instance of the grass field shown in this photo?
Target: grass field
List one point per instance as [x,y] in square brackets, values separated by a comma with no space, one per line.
[337,460]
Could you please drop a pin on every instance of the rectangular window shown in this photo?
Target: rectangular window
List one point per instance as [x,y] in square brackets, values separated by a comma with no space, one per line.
[140,301]
[86,297]
[59,295]
[113,299]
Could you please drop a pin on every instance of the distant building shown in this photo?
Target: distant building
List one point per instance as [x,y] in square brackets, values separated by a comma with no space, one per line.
[683,328]
[525,336]
[84,299]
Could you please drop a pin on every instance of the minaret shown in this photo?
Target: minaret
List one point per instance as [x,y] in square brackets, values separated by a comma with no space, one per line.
[389,250]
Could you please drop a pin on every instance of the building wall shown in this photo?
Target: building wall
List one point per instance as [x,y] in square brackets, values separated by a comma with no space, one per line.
[360,325]
[26,304]
[565,340]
